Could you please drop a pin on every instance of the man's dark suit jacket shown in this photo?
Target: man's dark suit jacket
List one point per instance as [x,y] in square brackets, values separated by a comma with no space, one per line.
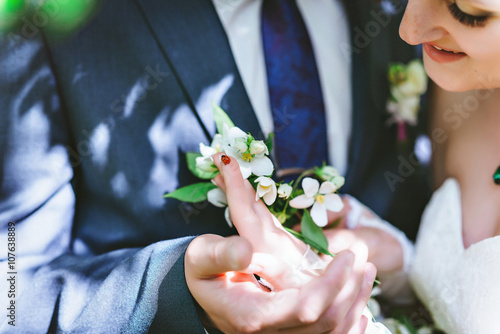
[94,130]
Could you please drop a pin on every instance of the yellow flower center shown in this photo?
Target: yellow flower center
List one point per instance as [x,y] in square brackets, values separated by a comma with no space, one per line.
[320,199]
[266,188]
[247,156]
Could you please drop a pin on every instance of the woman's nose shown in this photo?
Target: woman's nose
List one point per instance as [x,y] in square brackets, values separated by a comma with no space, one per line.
[422,22]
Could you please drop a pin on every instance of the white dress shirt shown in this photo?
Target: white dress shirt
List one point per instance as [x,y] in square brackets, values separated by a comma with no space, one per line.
[328,29]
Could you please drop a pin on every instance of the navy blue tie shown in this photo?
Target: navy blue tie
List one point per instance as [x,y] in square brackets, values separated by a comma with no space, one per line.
[294,88]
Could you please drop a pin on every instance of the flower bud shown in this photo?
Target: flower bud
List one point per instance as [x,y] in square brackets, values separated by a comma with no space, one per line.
[258,147]
[205,164]
[338,181]
[240,144]
[284,190]
[327,172]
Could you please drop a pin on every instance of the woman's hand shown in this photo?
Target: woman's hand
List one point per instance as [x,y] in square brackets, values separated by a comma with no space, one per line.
[384,250]
[272,244]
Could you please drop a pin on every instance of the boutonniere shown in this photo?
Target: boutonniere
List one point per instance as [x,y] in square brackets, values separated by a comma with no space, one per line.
[407,84]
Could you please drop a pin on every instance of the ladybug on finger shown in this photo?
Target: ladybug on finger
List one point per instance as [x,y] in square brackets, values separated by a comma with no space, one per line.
[225,159]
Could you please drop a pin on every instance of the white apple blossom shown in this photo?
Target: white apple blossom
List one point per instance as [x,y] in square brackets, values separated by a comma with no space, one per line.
[250,163]
[218,198]
[266,188]
[205,162]
[321,198]
[284,190]
[230,135]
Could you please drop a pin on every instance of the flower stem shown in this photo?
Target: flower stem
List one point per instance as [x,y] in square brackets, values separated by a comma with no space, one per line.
[401,131]
[286,206]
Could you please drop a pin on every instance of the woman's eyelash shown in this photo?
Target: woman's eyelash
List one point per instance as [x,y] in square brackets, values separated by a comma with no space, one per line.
[467,19]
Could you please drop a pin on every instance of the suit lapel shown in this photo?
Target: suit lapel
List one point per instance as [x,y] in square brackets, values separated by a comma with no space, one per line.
[367,94]
[193,41]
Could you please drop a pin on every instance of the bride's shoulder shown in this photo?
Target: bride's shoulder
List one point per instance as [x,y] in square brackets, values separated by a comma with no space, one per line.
[444,210]
[449,182]
[449,189]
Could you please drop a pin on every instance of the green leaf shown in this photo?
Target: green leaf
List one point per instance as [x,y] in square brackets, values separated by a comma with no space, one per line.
[193,193]
[334,224]
[312,231]
[191,163]
[221,118]
[310,242]
[269,141]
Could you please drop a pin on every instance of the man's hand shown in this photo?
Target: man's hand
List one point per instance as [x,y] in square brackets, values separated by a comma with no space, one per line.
[235,303]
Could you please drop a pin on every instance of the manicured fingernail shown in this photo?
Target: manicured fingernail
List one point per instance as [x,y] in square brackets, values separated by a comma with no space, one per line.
[225,159]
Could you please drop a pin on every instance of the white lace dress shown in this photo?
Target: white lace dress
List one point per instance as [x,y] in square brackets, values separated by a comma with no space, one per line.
[460,287]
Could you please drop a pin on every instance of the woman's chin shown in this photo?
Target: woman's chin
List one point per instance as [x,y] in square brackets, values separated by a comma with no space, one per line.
[458,79]
[452,83]
[454,87]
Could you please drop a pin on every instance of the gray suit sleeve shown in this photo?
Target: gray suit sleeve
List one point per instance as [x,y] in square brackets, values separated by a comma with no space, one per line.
[54,289]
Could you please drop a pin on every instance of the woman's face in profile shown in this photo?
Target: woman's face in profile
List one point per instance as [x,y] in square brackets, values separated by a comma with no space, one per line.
[461,41]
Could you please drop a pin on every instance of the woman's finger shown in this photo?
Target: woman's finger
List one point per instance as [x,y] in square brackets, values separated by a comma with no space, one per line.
[356,312]
[259,206]
[346,310]
[347,297]
[240,200]
[305,314]
[360,327]
[252,218]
